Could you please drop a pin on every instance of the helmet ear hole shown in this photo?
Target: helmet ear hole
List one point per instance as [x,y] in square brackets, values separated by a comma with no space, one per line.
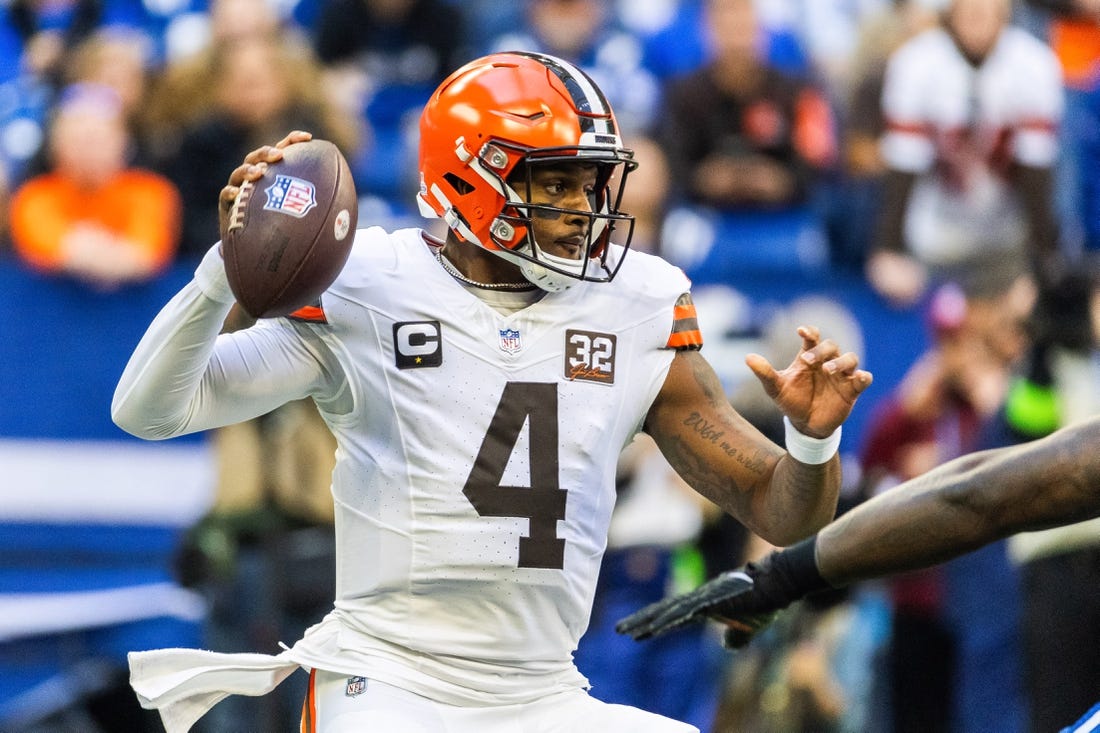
[458,183]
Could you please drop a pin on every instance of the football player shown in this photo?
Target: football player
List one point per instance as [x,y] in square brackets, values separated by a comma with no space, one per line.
[480,390]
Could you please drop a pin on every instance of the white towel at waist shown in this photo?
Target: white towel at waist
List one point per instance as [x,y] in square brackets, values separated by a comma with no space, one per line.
[185,683]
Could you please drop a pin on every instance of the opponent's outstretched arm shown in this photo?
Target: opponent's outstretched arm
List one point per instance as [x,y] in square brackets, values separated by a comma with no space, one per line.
[949,511]
[969,502]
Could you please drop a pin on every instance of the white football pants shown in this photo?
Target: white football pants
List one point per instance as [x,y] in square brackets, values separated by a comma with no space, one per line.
[337,703]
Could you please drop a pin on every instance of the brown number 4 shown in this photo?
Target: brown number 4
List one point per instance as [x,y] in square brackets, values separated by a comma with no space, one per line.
[543,502]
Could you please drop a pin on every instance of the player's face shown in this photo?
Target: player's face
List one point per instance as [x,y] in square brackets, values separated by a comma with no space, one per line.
[565,186]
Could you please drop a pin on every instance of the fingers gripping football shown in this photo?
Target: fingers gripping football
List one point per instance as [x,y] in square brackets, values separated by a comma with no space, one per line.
[252,169]
[288,217]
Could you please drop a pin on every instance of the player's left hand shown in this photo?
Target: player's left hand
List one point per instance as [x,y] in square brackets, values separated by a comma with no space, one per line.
[817,391]
[730,598]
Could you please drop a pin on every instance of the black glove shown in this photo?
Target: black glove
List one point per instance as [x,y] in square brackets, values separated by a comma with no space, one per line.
[746,599]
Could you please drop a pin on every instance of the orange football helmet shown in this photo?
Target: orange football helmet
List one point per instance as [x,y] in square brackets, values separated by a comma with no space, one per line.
[495,118]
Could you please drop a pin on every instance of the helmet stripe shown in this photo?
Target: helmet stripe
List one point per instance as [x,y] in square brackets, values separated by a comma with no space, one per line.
[587,97]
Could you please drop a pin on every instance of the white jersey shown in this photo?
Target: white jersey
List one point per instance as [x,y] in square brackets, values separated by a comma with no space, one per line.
[959,127]
[475,468]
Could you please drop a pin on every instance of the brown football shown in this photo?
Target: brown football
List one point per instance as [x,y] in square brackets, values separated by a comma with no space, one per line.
[290,232]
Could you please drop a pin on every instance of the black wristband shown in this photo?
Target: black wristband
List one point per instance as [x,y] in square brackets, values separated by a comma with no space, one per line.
[797,567]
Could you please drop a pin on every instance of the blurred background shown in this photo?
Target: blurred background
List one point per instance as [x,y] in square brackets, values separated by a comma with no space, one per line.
[918,178]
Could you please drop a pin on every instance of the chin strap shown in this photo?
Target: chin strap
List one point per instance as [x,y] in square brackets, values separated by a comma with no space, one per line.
[543,277]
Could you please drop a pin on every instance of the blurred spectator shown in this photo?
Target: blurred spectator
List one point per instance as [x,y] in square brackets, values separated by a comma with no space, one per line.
[1074,34]
[938,412]
[37,41]
[185,90]
[856,197]
[972,110]
[116,58]
[680,43]
[587,34]
[383,58]
[48,30]
[221,22]
[93,216]
[394,42]
[260,87]
[739,133]
[748,142]
[831,32]
[813,38]
[120,59]
[647,196]
[1060,568]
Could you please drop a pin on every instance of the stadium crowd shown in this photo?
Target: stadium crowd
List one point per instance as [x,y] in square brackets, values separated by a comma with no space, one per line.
[922,175]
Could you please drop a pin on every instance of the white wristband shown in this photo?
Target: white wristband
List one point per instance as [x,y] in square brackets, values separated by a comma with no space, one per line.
[812,451]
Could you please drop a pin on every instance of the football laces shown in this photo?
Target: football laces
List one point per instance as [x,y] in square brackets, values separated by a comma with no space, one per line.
[236,213]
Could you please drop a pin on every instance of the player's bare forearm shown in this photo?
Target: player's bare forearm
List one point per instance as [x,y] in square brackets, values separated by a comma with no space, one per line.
[966,503]
[723,457]
[802,498]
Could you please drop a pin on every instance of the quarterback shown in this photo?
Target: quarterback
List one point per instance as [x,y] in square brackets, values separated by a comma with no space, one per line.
[480,390]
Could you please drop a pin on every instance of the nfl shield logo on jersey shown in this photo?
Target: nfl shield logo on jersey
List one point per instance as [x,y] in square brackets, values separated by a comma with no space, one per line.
[356,686]
[290,195]
[509,340]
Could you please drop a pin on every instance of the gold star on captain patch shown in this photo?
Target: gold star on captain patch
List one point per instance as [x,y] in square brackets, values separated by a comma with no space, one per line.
[419,359]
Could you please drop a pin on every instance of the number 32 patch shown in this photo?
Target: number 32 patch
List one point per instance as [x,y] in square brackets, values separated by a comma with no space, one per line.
[590,356]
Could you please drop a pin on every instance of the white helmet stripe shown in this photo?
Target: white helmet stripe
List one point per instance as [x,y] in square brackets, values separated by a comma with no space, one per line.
[586,95]
[596,102]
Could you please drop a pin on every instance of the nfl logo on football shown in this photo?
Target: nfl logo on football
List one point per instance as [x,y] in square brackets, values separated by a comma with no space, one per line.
[290,195]
[509,340]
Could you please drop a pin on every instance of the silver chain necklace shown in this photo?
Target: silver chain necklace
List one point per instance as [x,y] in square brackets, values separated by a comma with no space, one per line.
[454,272]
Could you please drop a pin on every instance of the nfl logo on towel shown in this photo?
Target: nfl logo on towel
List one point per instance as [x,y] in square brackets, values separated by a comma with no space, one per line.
[290,195]
[509,340]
